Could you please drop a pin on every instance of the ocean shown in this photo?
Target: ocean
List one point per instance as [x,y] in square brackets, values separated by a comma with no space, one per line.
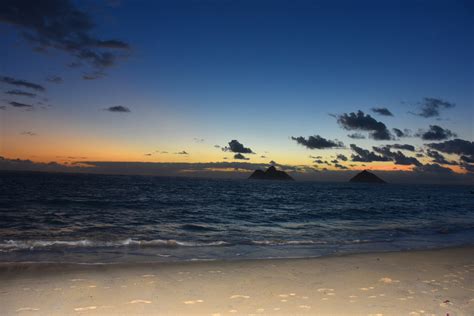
[84,218]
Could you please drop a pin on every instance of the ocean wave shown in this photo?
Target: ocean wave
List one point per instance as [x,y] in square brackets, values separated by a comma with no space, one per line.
[287,242]
[11,245]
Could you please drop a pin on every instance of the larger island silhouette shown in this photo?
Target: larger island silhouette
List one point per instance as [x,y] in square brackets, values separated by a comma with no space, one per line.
[366,177]
[270,174]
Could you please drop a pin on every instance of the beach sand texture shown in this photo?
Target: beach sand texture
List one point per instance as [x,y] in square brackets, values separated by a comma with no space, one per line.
[432,282]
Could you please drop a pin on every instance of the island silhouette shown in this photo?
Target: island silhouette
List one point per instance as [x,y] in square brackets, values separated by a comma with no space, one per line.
[366,177]
[270,174]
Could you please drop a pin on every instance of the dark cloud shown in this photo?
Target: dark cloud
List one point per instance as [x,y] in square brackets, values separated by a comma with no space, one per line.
[317,142]
[236,147]
[436,133]
[21,105]
[334,161]
[468,159]
[439,158]
[239,156]
[457,146]
[21,83]
[356,136]
[468,167]
[430,107]
[399,133]
[382,111]
[183,152]
[433,168]
[2,107]
[364,155]
[403,147]
[198,140]
[217,146]
[54,79]
[341,157]
[21,93]
[364,122]
[339,166]
[263,156]
[59,24]
[118,108]
[396,156]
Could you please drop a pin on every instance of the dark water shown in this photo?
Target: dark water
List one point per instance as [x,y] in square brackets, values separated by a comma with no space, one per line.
[95,218]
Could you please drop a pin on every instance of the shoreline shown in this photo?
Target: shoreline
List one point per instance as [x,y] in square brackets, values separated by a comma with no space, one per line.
[414,282]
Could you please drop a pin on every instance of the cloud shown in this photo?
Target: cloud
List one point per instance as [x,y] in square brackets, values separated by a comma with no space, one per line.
[382,111]
[317,142]
[356,136]
[118,108]
[339,166]
[436,133]
[198,140]
[341,157]
[457,146]
[21,93]
[364,122]
[273,162]
[438,158]
[364,155]
[432,168]
[183,152]
[93,76]
[399,133]
[319,161]
[403,147]
[469,168]
[59,24]
[28,133]
[468,159]
[236,147]
[21,105]
[54,79]
[430,107]
[22,83]
[396,156]
[2,107]
[239,156]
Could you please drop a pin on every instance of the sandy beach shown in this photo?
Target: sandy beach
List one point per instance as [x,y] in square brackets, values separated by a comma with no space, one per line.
[432,282]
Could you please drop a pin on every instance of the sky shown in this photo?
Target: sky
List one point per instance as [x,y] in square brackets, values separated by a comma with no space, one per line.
[222,87]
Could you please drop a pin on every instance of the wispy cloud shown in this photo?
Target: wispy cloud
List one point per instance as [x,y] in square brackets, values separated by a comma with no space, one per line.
[22,83]
[430,107]
[382,111]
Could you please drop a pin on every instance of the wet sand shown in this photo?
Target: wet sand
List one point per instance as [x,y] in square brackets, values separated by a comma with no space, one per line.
[433,282]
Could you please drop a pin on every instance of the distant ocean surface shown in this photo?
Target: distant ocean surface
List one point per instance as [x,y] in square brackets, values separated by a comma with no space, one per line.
[109,219]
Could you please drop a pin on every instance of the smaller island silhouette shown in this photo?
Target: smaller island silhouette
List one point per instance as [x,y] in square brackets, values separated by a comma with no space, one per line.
[366,177]
[271,174]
